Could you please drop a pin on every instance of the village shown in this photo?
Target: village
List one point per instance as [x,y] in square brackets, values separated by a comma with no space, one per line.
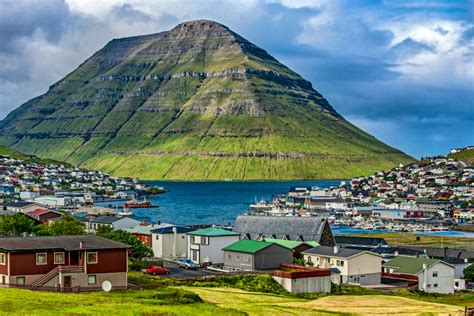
[433,195]
[299,250]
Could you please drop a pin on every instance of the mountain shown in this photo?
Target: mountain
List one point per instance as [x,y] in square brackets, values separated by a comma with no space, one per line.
[8,152]
[198,102]
[464,154]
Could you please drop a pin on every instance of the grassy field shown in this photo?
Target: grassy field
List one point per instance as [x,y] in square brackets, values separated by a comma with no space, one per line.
[267,304]
[425,240]
[211,301]
[163,301]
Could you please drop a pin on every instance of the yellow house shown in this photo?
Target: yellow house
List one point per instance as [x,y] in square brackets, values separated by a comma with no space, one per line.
[356,266]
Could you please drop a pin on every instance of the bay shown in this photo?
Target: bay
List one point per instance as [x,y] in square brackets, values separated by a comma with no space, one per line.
[219,203]
[216,203]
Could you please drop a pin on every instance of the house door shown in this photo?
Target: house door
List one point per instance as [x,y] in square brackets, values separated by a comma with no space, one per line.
[3,279]
[195,255]
[67,281]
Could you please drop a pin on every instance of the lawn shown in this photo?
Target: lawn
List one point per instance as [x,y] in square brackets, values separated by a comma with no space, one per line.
[269,304]
[163,301]
[425,240]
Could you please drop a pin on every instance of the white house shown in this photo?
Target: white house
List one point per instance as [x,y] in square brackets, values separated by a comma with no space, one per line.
[169,241]
[356,266]
[433,275]
[111,221]
[205,245]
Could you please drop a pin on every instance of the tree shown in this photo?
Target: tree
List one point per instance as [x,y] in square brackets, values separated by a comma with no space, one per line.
[138,251]
[66,226]
[469,273]
[17,225]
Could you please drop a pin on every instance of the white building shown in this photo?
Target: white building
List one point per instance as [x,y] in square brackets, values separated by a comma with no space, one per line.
[356,266]
[205,245]
[434,275]
[169,241]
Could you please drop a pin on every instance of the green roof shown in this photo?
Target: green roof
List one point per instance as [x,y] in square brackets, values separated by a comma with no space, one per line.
[213,232]
[291,244]
[409,265]
[249,246]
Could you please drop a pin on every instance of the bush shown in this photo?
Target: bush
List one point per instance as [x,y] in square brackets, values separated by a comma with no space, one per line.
[174,296]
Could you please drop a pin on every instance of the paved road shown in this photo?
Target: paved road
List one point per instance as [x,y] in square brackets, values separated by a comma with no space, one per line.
[187,274]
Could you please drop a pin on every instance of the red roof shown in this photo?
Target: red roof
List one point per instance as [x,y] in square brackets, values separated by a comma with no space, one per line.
[38,211]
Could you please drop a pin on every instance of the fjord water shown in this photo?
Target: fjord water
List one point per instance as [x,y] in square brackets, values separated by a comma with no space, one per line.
[212,202]
[219,203]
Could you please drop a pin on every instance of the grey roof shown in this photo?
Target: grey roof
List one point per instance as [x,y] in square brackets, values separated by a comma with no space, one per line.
[359,241]
[105,219]
[329,252]
[67,243]
[18,204]
[281,227]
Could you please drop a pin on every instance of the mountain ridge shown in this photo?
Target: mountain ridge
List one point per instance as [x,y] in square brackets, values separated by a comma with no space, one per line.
[198,102]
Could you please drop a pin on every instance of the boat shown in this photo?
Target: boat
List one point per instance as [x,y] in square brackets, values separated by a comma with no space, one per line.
[137,204]
[261,206]
[125,212]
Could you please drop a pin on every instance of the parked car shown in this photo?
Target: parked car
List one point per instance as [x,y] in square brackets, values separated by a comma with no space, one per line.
[205,264]
[186,263]
[157,270]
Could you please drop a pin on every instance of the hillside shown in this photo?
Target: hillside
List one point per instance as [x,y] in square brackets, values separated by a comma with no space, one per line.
[5,151]
[198,102]
[465,155]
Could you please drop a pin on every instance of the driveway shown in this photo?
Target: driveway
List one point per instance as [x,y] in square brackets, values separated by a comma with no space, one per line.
[187,274]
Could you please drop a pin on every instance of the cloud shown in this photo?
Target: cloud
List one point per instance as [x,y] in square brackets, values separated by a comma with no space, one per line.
[400,70]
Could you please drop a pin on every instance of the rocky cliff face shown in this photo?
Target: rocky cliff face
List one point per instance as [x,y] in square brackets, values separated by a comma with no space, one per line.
[196,102]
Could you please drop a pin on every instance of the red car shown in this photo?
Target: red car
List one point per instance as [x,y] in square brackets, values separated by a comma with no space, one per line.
[156,270]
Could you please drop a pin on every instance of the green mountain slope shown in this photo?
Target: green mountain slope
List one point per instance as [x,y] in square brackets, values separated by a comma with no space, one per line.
[198,102]
[466,155]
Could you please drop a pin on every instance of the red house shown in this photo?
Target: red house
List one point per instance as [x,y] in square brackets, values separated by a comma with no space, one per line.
[43,215]
[63,262]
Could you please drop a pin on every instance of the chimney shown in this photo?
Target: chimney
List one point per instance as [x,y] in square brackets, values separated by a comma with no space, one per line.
[336,249]
[81,244]
[466,260]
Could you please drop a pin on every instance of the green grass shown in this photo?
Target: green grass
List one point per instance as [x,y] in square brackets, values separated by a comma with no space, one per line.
[163,301]
[466,155]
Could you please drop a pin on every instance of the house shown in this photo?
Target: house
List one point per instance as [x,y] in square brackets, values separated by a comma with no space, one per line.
[21,207]
[283,227]
[63,262]
[205,245]
[43,215]
[359,242]
[111,221]
[296,246]
[356,266]
[142,232]
[459,266]
[430,275]
[297,279]
[250,255]
[169,241]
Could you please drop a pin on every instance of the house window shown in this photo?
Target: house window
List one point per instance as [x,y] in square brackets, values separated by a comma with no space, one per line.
[310,259]
[456,284]
[249,259]
[92,279]
[41,258]
[435,285]
[20,280]
[2,259]
[92,257]
[204,241]
[59,258]
[157,237]
[342,263]
[237,256]
[229,255]
[192,239]
[435,274]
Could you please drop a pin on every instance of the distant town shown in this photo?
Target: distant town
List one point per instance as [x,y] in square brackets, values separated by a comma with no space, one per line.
[289,238]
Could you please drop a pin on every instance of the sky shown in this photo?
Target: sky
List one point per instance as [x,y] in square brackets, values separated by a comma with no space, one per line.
[401,70]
